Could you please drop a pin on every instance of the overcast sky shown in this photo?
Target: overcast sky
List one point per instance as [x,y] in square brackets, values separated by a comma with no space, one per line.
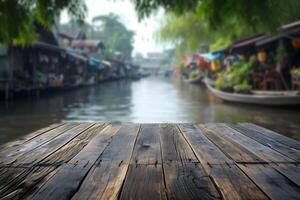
[145,30]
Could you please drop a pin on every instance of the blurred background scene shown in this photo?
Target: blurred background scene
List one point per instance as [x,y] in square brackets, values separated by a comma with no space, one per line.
[149,61]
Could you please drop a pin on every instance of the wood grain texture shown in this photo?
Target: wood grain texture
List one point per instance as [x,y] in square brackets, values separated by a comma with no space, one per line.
[188,181]
[32,158]
[273,135]
[145,172]
[120,148]
[15,144]
[184,176]
[234,184]
[66,181]
[260,150]
[106,177]
[144,182]
[232,149]
[10,155]
[150,161]
[291,171]
[205,150]
[174,146]
[19,187]
[147,147]
[263,139]
[274,184]
[46,149]
[229,179]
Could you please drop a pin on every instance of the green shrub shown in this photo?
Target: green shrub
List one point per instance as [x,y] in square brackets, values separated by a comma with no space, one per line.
[237,75]
[243,87]
[193,74]
[296,72]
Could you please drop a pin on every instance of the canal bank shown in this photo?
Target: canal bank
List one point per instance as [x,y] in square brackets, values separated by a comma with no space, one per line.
[149,100]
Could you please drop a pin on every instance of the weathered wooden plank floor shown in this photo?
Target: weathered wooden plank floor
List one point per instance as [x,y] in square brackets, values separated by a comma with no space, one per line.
[151,161]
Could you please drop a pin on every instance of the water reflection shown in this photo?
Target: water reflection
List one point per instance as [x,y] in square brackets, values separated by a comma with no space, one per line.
[148,100]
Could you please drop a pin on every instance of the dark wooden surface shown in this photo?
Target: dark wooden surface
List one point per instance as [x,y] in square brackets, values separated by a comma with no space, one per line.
[151,161]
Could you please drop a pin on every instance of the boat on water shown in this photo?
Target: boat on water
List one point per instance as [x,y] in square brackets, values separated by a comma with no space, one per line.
[195,80]
[270,98]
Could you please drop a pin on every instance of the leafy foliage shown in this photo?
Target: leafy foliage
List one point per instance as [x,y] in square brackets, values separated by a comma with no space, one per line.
[118,37]
[236,77]
[296,72]
[146,7]
[221,22]
[194,74]
[17,17]
[255,13]
[186,31]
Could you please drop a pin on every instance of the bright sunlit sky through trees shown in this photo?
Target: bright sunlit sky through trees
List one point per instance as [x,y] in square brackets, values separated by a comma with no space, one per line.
[145,30]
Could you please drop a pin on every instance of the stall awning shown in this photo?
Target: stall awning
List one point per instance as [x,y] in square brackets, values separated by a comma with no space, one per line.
[212,56]
[96,63]
[268,40]
[248,42]
[105,62]
[76,55]
[47,46]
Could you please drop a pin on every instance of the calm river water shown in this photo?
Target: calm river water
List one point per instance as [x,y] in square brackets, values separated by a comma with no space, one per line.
[148,100]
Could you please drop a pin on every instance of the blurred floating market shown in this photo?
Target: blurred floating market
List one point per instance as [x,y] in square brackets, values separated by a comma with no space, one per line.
[60,61]
[262,69]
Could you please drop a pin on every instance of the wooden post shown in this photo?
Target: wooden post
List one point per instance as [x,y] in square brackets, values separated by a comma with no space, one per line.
[6,91]
[10,82]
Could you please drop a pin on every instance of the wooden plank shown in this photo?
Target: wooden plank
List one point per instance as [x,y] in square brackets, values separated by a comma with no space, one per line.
[147,148]
[205,150]
[260,150]
[10,155]
[105,179]
[291,171]
[52,146]
[10,174]
[28,137]
[38,176]
[232,149]
[31,158]
[3,169]
[230,180]
[19,186]
[65,183]
[144,182]
[34,157]
[72,148]
[184,176]
[145,171]
[263,139]
[233,183]
[188,181]
[96,147]
[173,145]
[158,161]
[274,184]
[273,135]
[120,149]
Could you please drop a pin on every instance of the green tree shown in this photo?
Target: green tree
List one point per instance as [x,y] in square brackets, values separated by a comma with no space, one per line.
[220,22]
[257,14]
[17,17]
[118,37]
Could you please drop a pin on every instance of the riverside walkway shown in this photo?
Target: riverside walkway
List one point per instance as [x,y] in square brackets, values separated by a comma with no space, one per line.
[151,161]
